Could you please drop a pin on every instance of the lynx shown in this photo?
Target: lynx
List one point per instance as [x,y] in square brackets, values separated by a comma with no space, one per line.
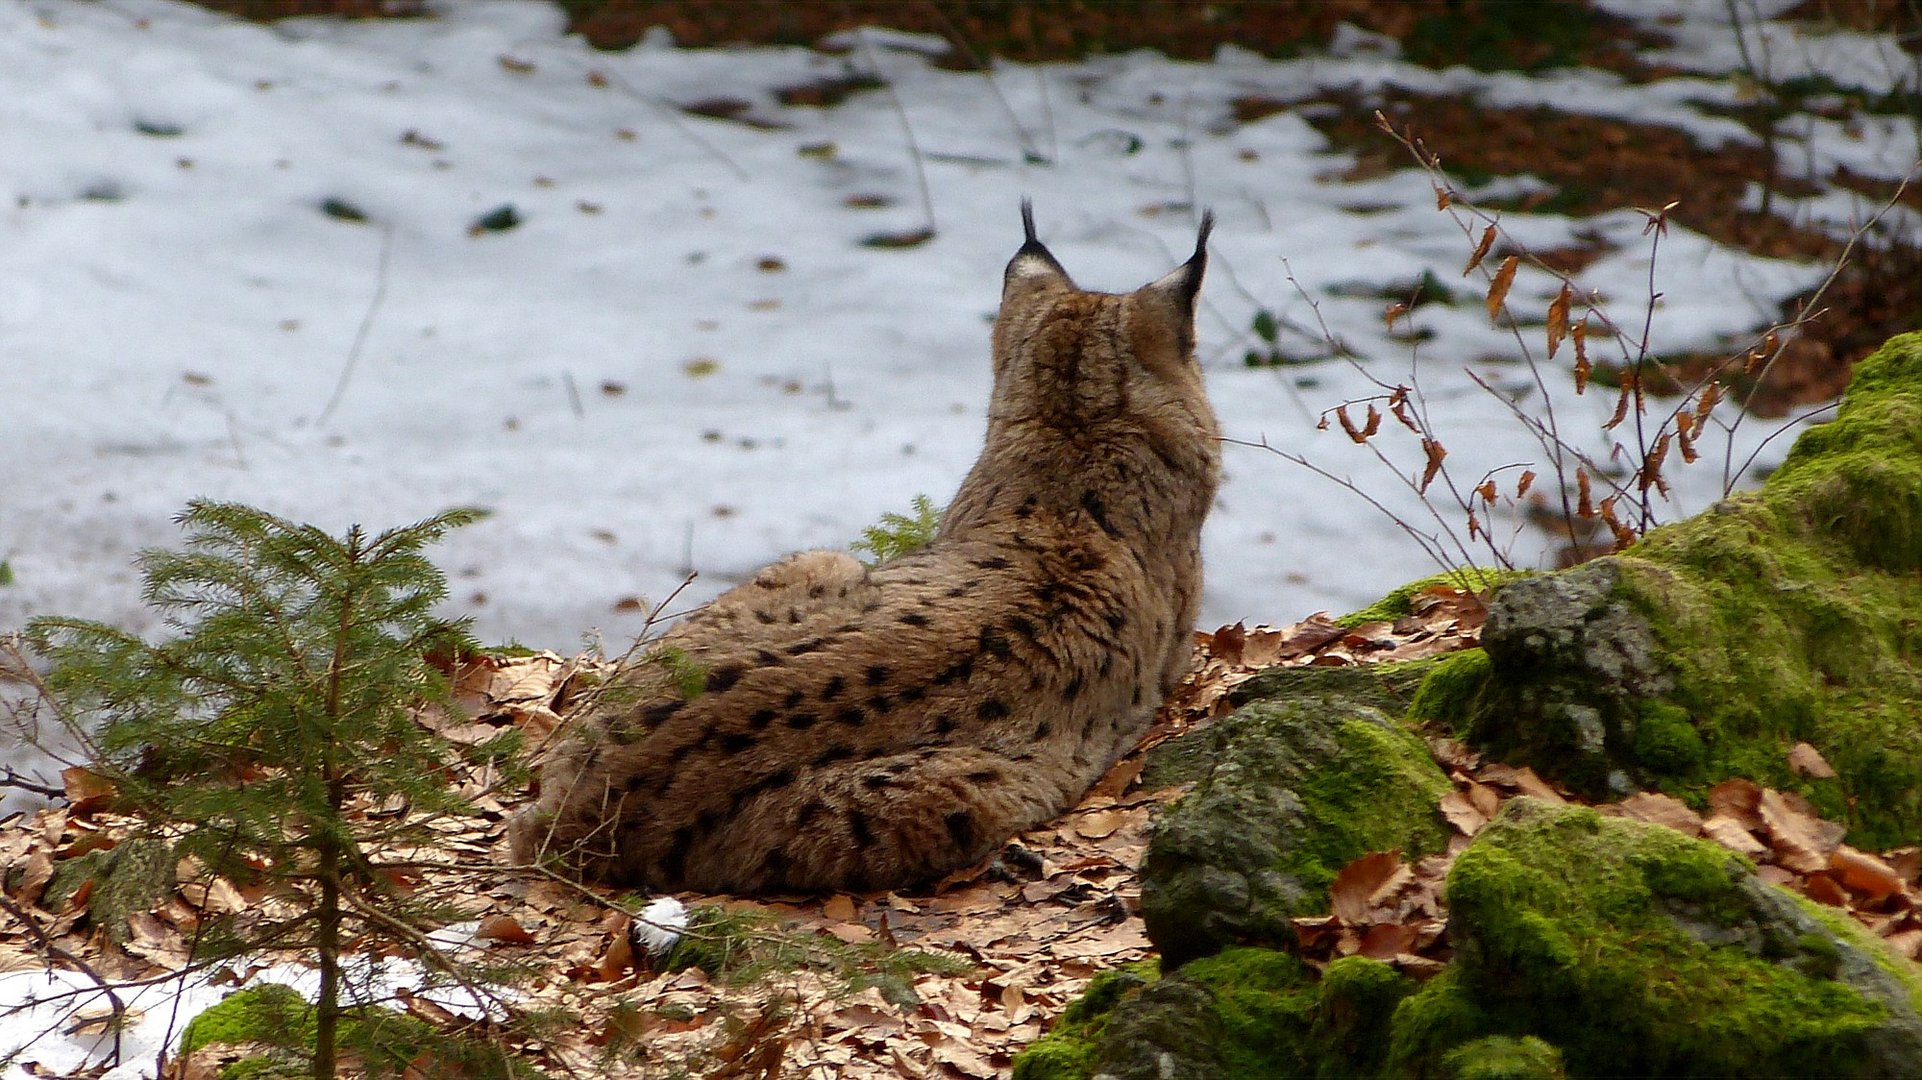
[841,727]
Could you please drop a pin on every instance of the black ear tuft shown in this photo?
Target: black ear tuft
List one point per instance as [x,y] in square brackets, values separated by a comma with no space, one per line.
[1183,282]
[1034,258]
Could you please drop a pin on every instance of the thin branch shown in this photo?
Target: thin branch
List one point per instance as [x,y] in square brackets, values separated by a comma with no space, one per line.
[366,324]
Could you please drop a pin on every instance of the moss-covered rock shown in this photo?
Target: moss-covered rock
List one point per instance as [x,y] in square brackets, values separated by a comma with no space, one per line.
[128,879]
[1792,614]
[1242,1014]
[280,1024]
[1635,951]
[1295,787]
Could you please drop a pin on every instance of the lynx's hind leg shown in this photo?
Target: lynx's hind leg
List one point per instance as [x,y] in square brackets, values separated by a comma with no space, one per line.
[908,817]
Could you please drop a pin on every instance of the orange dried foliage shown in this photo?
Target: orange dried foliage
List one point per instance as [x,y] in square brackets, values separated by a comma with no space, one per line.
[1558,319]
[1498,289]
[1582,366]
[1481,250]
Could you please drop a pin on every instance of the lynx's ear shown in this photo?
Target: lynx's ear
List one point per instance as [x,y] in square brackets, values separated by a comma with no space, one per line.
[1180,285]
[1033,265]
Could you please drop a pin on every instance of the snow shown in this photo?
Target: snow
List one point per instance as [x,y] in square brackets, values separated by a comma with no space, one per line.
[179,315]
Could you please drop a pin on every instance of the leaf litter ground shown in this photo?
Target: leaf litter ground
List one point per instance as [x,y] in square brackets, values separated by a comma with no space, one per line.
[1024,934]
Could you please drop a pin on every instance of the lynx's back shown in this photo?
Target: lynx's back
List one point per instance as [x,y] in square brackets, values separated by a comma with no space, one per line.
[866,729]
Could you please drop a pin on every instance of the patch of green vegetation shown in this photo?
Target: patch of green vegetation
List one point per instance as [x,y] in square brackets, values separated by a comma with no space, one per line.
[1491,36]
[1790,614]
[1628,947]
[745,946]
[1353,812]
[278,1020]
[1241,1014]
[1666,741]
[342,210]
[898,534]
[1067,1051]
[1397,603]
[688,675]
[1453,691]
[1504,1057]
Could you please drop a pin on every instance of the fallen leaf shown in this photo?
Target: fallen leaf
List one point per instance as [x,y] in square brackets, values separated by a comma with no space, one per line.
[1863,873]
[1665,810]
[1729,833]
[1348,895]
[1737,799]
[1802,841]
[1101,823]
[1462,814]
[505,929]
[1387,940]
[1822,889]
[1806,760]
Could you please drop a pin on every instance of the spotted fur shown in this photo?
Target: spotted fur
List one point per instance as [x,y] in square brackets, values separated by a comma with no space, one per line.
[874,728]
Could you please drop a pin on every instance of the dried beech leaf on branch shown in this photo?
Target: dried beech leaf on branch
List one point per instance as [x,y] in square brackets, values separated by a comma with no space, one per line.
[1498,290]
[1436,452]
[1481,251]
[1558,319]
[1579,332]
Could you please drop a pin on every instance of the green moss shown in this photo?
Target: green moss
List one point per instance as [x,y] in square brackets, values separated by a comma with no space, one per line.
[744,946]
[1299,787]
[269,1014]
[385,1042]
[1352,813]
[1397,603]
[1453,691]
[1265,1002]
[1634,950]
[1790,614]
[1503,1057]
[1351,1023]
[1067,1051]
[1666,741]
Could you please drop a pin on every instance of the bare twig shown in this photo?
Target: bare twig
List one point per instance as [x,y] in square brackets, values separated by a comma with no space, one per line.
[366,324]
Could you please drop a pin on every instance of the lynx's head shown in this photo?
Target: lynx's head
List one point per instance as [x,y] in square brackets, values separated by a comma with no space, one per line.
[1088,374]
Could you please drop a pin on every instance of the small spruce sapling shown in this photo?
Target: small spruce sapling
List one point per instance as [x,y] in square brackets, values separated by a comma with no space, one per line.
[271,738]
[896,535]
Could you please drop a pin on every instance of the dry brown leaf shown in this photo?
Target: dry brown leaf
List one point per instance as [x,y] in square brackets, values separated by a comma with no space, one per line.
[1481,250]
[1498,289]
[1863,873]
[1737,799]
[1558,319]
[1807,761]
[503,928]
[87,792]
[839,907]
[1906,862]
[1822,889]
[1386,941]
[34,875]
[1348,895]
[1802,841]
[1906,943]
[1462,814]
[1729,833]
[1101,823]
[1664,810]
[1485,799]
